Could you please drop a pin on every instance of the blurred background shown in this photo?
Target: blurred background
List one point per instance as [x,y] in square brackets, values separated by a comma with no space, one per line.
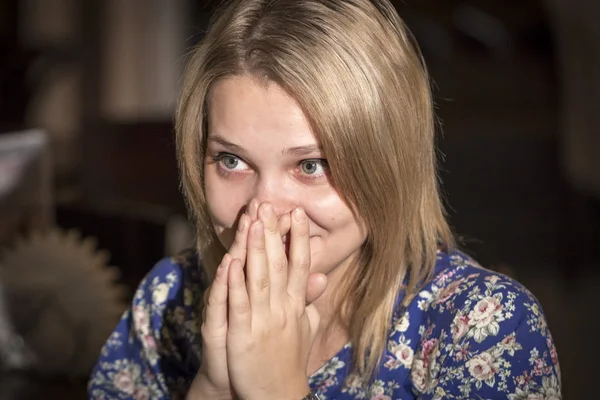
[89,196]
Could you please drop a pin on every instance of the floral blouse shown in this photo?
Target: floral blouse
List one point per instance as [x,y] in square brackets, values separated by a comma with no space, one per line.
[469,334]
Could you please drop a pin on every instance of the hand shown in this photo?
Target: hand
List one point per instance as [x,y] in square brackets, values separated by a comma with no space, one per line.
[212,380]
[271,329]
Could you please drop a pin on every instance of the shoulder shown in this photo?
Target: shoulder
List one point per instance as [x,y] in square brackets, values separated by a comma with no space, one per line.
[461,288]
[468,301]
[481,330]
[177,269]
[155,346]
[166,303]
[173,279]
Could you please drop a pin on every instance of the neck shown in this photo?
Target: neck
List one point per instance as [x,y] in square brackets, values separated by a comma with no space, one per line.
[331,335]
[327,307]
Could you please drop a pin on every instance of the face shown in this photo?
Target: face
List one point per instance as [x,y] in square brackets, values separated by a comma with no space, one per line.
[260,146]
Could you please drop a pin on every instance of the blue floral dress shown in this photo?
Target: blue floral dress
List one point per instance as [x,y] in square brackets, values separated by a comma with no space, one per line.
[469,334]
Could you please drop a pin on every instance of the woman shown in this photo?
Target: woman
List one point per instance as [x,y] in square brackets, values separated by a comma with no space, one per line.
[305,134]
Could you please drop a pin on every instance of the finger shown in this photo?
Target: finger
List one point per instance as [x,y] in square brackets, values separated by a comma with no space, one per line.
[252,210]
[257,269]
[277,260]
[240,311]
[215,305]
[299,260]
[317,283]
[283,224]
[238,248]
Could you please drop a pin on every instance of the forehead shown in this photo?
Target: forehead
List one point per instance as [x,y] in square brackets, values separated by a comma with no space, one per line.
[255,113]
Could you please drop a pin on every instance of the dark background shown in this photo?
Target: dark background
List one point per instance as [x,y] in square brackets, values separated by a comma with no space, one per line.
[101,78]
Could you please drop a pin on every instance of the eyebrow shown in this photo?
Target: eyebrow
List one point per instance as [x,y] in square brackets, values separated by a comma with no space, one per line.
[296,151]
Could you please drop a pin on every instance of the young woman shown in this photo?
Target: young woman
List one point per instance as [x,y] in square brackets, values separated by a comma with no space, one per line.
[324,267]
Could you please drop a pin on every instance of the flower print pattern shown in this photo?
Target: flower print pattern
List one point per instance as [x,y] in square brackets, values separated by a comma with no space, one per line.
[155,338]
[486,317]
[469,333]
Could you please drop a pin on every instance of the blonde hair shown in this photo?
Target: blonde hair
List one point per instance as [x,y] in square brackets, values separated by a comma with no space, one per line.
[354,70]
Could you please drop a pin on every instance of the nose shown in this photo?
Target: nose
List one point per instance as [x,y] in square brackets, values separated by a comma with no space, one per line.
[275,191]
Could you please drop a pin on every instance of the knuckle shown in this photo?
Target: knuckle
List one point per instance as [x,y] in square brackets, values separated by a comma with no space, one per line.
[238,242]
[303,232]
[280,322]
[211,302]
[279,265]
[205,330]
[211,336]
[263,283]
[243,345]
[206,295]
[243,307]
[272,229]
[302,263]
[237,285]
[260,247]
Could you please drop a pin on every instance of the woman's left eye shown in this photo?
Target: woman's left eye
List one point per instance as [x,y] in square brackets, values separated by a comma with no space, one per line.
[315,167]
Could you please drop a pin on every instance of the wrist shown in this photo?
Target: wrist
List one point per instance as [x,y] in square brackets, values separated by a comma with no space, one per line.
[291,392]
[202,389]
[205,393]
[300,391]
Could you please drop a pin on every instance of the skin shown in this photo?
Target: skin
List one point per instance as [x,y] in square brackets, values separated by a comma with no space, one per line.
[290,238]
[269,137]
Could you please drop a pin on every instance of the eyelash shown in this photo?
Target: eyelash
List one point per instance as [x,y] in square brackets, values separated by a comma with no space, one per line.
[218,159]
[320,161]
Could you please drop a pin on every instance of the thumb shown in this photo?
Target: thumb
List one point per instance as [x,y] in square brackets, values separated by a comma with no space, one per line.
[317,283]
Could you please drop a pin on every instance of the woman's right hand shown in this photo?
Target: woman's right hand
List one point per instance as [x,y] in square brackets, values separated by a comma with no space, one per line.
[212,380]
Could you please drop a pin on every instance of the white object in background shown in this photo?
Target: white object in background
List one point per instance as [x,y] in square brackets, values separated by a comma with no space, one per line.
[17,150]
[26,176]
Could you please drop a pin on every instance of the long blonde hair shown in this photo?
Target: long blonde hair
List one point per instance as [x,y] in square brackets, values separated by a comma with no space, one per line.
[354,70]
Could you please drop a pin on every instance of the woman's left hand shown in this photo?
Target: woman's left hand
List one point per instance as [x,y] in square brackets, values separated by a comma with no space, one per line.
[271,329]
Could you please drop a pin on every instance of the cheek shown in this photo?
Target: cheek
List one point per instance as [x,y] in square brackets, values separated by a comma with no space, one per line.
[225,203]
[331,213]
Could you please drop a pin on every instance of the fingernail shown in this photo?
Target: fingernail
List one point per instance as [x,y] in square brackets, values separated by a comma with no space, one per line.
[299,215]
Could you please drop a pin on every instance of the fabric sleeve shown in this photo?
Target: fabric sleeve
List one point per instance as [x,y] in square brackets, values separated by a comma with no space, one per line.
[498,347]
[153,352]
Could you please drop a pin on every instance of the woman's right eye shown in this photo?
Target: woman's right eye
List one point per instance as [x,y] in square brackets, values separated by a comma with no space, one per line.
[230,162]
